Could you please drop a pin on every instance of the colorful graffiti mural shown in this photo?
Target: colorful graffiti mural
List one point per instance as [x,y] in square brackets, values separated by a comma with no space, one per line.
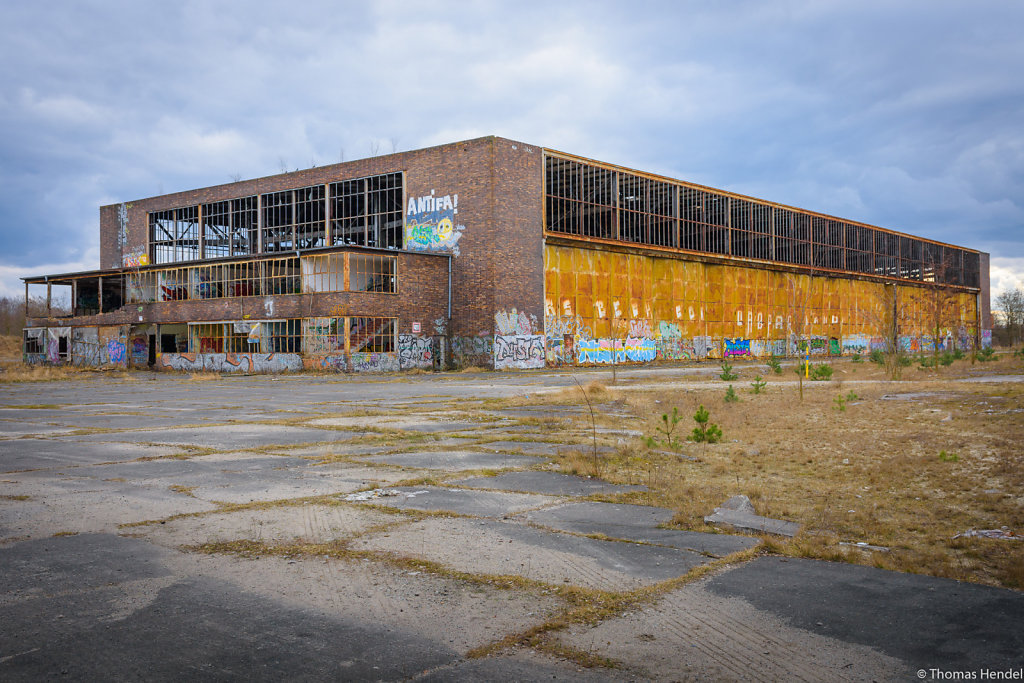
[736,347]
[676,349]
[668,330]
[230,362]
[327,362]
[430,223]
[856,343]
[519,351]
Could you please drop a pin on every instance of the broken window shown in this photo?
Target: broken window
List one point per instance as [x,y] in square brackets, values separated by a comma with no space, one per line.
[278,222]
[229,228]
[371,335]
[174,235]
[310,217]
[323,273]
[245,336]
[372,273]
[368,211]
[323,335]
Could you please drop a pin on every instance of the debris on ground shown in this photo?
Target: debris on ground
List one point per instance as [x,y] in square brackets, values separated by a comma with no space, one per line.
[371,495]
[1002,533]
[861,545]
[738,512]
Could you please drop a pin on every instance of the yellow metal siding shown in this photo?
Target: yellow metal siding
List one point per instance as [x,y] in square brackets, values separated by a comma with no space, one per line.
[692,309]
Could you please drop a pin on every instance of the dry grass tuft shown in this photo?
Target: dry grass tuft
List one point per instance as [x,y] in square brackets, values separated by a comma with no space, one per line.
[203,376]
[40,373]
[871,473]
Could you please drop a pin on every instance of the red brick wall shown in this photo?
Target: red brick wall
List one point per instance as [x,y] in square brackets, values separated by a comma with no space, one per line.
[500,261]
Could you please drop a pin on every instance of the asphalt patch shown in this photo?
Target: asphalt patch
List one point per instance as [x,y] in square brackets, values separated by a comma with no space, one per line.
[636,523]
[454,461]
[925,621]
[551,483]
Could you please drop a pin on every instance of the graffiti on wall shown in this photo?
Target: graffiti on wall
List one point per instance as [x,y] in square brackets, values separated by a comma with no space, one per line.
[595,351]
[638,350]
[515,323]
[140,350]
[818,345]
[910,344]
[519,351]
[415,351]
[834,348]
[430,223]
[640,328]
[135,258]
[562,325]
[986,339]
[116,352]
[736,347]
[473,349]
[375,362]
[856,343]
[230,362]
[327,362]
[676,349]
[669,330]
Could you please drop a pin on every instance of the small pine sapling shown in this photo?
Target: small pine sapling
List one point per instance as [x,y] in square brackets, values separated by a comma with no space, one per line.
[669,424]
[704,432]
[774,365]
[758,385]
[727,374]
[730,395]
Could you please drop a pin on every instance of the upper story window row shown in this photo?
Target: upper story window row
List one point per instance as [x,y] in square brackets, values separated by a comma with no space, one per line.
[363,211]
[592,201]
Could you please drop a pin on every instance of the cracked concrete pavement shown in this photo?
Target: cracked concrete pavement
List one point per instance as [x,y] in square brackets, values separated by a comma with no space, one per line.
[156,527]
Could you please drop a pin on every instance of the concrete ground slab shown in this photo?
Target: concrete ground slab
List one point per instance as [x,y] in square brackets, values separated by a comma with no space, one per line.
[17,429]
[453,461]
[505,548]
[244,477]
[91,607]
[749,523]
[403,422]
[81,504]
[635,523]
[695,634]
[529,447]
[277,525]
[224,437]
[924,621]
[463,501]
[28,454]
[551,483]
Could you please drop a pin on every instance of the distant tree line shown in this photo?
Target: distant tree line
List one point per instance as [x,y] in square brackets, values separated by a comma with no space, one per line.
[12,312]
[1008,326]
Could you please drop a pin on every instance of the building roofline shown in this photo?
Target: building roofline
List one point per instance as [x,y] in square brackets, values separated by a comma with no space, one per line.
[737,195]
[328,167]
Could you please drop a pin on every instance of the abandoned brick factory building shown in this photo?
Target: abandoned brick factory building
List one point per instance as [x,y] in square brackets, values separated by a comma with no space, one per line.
[497,253]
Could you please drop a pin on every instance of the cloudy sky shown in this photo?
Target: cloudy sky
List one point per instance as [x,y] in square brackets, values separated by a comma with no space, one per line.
[907,115]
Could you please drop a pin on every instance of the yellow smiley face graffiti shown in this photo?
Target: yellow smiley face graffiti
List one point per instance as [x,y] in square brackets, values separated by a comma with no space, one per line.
[444,229]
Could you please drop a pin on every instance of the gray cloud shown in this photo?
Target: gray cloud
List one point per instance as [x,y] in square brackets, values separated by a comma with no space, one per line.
[905,115]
